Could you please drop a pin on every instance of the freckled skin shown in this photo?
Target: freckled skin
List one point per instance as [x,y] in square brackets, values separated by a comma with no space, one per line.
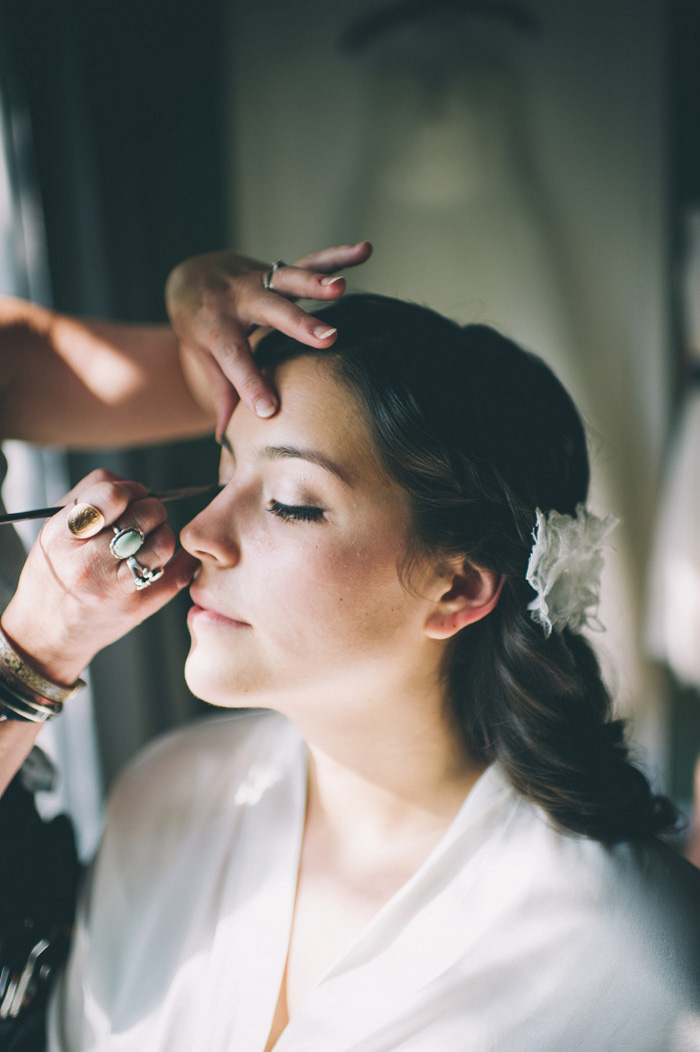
[330,620]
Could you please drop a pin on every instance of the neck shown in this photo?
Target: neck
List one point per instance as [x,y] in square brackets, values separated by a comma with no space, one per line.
[364,812]
[396,771]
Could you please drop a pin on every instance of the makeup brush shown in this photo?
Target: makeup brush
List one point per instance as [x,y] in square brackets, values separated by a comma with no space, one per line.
[164,495]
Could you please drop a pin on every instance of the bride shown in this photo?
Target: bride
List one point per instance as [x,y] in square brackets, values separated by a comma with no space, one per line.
[420,828]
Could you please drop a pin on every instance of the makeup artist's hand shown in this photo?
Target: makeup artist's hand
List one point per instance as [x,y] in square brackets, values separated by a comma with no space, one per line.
[216,300]
[74,597]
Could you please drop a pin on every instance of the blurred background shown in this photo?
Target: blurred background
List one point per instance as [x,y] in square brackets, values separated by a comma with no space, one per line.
[535,166]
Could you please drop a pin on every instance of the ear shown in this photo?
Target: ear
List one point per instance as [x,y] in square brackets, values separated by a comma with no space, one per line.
[473,594]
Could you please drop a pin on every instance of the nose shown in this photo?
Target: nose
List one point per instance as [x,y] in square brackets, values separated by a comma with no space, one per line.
[212,536]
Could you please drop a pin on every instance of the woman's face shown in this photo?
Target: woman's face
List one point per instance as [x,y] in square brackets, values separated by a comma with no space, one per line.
[299,596]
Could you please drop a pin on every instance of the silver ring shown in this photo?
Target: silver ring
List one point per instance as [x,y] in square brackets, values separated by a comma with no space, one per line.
[143,577]
[267,278]
[126,542]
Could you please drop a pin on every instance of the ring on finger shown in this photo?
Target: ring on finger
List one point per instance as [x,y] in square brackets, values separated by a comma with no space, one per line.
[143,577]
[126,541]
[85,520]
[267,278]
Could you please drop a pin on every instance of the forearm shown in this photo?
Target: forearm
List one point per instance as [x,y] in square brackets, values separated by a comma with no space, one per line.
[16,742]
[17,737]
[84,383]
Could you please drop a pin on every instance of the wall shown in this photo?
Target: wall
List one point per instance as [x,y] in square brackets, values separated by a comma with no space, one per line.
[311,135]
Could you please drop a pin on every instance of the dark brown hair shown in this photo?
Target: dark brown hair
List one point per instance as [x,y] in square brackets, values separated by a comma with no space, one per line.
[480,433]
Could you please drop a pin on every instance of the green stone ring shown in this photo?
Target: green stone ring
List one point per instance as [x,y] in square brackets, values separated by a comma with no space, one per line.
[126,542]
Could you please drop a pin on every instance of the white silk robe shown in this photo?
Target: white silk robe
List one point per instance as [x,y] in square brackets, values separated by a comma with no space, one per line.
[510,937]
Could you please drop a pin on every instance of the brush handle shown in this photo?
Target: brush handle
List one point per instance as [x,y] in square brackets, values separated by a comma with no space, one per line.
[165,495]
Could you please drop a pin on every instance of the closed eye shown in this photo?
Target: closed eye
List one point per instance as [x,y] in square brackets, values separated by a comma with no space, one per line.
[296,512]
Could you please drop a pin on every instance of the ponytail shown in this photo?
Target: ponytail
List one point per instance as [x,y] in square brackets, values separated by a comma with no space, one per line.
[539,707]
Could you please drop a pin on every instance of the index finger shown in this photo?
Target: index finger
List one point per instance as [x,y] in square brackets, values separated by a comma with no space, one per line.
[233,369]
[231,355]
[331,259]
[223,337]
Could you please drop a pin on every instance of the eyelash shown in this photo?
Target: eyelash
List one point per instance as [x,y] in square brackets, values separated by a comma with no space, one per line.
[295,512]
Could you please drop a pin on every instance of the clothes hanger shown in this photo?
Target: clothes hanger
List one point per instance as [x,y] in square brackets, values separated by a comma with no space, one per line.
[370,27]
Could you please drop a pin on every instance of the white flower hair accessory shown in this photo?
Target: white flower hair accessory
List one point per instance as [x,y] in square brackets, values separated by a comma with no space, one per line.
[564,569]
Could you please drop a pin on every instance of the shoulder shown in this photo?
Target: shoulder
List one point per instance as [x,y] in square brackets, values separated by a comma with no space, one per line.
[183,752]
[189,772]
[628,880]
[632,909]
[586,868]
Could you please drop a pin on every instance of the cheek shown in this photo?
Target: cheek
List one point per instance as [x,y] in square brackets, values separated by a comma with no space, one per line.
[343,594]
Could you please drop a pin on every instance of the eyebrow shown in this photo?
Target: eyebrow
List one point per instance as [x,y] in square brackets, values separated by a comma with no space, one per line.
[278,452]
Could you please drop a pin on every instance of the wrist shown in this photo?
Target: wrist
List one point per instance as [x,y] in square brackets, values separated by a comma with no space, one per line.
[49,659]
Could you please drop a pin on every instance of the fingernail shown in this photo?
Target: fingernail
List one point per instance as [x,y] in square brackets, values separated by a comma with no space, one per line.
[265,407]
[330,281]
[322,333]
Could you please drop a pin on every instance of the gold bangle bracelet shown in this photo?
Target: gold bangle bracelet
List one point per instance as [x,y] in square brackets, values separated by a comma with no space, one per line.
[18,689]
[26,675]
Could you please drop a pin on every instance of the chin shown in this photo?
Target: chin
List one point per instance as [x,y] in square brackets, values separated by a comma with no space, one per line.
[207,680]
[203,681]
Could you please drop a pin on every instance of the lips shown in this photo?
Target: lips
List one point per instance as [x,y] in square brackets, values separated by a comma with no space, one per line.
[206,608]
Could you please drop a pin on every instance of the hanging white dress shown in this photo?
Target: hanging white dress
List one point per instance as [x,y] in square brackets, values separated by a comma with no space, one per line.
[509,938]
